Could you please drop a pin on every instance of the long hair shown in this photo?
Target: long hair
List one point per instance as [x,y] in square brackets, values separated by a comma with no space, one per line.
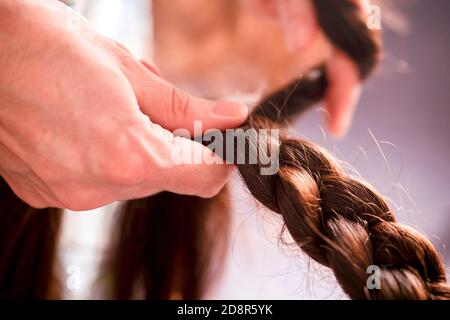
[166,245]
[339,221]
[27,248]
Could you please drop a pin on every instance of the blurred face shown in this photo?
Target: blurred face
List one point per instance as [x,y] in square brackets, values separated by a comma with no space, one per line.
[225,49]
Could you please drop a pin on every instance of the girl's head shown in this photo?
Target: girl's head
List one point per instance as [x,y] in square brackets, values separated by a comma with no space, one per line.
[226,48]
[250,49]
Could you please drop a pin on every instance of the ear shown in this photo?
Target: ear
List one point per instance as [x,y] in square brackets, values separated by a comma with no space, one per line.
[302,31]
[304,37]
[344,90]
[296,17]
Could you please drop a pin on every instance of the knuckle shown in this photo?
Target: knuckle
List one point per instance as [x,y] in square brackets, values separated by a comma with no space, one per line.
[179,104]
[81,200]
[35,203]
[115,47]
[211,189]
[209,192]
[121,48]
[29,196]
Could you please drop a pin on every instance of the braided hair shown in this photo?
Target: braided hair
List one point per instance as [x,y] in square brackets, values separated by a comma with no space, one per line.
[339,221]
[166,244]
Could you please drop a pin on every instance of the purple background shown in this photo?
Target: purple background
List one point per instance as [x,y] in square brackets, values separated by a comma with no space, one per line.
[406,104]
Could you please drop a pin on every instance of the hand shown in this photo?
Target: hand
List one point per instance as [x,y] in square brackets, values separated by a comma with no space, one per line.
[83,123]
[298,22]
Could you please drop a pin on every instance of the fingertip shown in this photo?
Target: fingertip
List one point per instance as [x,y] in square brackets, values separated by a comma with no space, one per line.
[195,170]
[231,111]
[152,68]
[219,115]
[214,187]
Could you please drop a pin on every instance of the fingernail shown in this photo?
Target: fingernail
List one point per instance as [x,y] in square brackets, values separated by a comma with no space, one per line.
[231,110]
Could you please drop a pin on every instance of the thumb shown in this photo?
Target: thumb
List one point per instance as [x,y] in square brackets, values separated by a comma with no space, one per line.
[173,108]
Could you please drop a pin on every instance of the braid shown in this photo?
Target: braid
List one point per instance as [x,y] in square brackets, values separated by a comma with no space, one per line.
[338,220]
[343,224]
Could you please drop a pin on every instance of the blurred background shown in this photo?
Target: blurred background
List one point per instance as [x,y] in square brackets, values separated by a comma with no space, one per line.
[399,142]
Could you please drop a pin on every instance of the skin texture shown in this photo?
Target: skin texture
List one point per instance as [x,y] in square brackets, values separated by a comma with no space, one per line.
[83,123]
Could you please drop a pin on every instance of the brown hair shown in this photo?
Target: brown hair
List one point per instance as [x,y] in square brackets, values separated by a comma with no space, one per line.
[164,246]
[337,220]
[27,248]
[344,224]
[164,242]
